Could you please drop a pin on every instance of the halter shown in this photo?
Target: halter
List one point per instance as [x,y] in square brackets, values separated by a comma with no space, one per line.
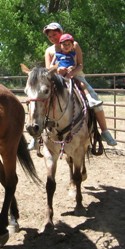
[36,100]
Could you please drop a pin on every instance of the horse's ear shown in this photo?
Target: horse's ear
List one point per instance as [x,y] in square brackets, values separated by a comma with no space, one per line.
[24,68]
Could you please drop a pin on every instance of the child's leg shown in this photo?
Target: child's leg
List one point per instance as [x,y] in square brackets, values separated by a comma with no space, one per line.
[91,101]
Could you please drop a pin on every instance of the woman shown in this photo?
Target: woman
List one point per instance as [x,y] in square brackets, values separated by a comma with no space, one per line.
[53,31]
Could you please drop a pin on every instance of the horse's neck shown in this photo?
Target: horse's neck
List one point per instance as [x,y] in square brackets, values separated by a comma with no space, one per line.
[62,110]
[59,109]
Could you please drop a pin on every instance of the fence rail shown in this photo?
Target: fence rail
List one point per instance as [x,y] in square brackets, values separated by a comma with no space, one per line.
[114,91]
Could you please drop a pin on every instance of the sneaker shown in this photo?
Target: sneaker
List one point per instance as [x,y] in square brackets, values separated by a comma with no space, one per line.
[107,137]
[93,102]
[31,146]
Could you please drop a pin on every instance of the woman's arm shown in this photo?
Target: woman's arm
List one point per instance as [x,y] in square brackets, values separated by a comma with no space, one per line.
[53,61]
[79,55]
[48,58]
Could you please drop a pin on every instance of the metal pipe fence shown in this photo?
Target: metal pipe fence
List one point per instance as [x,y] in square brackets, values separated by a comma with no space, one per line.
[116,127]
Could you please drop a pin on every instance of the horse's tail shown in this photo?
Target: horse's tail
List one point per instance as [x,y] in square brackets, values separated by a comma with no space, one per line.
[26,161]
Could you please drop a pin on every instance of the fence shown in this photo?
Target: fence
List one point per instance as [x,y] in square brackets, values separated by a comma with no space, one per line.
[118,122]
[117,105]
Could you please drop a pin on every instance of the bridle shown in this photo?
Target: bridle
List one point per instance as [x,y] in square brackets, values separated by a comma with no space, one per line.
[50,100]
[36,100]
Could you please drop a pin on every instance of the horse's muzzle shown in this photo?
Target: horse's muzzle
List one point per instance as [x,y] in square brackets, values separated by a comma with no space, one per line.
[34,130]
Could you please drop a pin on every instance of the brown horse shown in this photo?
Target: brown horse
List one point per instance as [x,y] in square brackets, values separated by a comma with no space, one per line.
[63,119]
[12,145]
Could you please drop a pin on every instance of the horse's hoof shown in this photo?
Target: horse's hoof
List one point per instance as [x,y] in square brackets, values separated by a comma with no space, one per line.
[47,228]
[3,239]
[13,228]
[80,211]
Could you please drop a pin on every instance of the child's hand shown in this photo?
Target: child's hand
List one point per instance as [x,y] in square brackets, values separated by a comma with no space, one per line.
[62,70]
[70,69]
[70,72]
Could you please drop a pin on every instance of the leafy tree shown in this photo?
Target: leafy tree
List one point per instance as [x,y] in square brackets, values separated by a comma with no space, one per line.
[98,26]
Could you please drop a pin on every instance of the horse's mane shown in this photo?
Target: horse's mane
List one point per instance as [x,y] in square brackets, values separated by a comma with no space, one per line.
[59,83]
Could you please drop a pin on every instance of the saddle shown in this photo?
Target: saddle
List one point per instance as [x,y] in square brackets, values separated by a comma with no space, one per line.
[97,148]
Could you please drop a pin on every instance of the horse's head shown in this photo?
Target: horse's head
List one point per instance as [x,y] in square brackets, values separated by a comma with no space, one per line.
[38,89]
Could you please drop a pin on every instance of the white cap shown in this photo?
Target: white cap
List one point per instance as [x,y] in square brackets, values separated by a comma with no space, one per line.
[52,26]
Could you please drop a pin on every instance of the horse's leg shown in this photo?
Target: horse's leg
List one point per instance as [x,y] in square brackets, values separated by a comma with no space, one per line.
[51,164]
[14,216]
[14,212]
[70,163]
[84,172]
[50,188]
[9,181]
[72,186]
[77,176]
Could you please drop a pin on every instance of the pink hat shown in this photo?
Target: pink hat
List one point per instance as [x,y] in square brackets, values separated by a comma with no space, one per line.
[52,26]
[66,37]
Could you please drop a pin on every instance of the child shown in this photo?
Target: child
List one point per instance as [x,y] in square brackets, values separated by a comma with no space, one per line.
[66,60]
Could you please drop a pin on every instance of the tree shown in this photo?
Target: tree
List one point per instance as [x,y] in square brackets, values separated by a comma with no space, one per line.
[20,33]
[98,26]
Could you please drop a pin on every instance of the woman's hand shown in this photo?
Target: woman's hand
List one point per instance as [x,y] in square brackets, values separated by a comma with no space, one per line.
[69,75]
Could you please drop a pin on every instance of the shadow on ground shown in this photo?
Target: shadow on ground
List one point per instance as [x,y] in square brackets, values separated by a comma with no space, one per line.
[107,215]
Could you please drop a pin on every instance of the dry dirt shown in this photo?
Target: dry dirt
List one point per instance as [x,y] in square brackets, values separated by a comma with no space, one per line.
[102,227]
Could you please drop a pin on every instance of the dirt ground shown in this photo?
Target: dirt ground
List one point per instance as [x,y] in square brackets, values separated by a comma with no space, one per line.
[102,227]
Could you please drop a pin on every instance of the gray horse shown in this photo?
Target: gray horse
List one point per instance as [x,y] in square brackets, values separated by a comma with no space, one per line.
[58,112]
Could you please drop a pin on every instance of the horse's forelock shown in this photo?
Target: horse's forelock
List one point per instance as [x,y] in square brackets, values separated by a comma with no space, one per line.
[41,72]
[35,74]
